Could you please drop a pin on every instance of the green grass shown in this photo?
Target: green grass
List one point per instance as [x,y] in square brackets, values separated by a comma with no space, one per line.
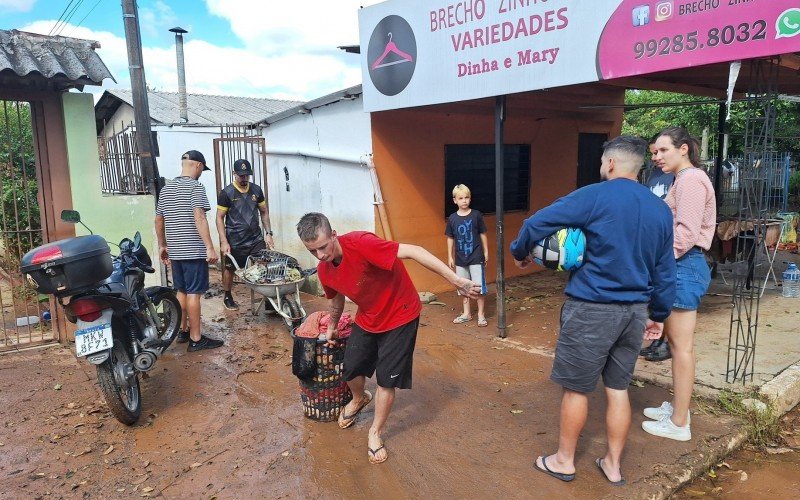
[762,426]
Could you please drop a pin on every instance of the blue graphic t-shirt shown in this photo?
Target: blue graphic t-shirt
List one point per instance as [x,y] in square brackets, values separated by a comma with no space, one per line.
[659,182]
[466,232]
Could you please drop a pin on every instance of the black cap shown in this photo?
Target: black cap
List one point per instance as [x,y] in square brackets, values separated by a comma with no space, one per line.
[195,155]
[242,167]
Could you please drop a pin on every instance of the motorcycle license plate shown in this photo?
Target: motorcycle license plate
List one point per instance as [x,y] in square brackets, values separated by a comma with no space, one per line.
[94,336]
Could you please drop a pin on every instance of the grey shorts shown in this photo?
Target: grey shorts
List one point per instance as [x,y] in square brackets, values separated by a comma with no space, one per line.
[598,339]
[476,273]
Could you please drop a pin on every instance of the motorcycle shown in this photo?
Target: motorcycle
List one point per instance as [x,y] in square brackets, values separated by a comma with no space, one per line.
[123,326]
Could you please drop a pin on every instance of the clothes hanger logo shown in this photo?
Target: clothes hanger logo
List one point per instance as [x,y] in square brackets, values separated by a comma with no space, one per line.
[391,49]
[392,55]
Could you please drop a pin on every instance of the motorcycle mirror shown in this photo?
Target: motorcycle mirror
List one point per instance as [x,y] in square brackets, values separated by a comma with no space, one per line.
[137,239]
[74,217]
[125,244]
[71,216]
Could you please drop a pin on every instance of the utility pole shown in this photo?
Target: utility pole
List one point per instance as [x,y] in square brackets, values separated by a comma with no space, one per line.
[144,137]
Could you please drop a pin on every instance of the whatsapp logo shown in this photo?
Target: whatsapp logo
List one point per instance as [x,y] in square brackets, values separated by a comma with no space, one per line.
[788,23]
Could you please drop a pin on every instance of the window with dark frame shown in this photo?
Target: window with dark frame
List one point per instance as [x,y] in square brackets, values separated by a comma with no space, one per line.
[590,152]
[473,165]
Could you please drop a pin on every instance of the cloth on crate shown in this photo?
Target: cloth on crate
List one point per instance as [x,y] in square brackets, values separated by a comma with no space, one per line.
[730,229]
[316,324]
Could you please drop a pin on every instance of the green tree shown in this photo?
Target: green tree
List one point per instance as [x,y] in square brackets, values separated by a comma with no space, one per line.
[20,220]
[647,116]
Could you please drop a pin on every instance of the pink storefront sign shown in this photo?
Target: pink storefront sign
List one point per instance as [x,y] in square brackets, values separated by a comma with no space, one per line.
[650,36]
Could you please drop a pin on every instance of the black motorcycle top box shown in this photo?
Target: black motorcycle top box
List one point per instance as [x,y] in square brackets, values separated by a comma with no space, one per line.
[64,267]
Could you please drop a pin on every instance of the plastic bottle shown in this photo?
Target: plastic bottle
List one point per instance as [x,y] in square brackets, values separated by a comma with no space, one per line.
[791,281]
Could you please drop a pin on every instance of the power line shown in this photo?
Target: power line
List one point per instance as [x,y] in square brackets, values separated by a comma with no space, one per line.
[69,16]
[84,17]
[59,18]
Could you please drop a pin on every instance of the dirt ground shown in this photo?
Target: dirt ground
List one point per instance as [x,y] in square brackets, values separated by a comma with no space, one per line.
[228,423]
[749,473]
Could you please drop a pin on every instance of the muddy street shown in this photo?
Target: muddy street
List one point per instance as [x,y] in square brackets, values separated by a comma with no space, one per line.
[229,423]
[773,472]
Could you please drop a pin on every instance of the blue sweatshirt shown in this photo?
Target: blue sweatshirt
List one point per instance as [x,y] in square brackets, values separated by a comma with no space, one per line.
[628,257]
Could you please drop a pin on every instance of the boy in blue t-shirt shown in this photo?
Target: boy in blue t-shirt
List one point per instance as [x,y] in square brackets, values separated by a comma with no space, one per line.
[659,183]
[464,253]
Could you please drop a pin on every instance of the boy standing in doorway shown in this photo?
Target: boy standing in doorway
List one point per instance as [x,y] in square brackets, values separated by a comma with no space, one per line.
[464,229]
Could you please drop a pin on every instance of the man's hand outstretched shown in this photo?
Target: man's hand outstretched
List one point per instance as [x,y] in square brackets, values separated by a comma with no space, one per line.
[467,288]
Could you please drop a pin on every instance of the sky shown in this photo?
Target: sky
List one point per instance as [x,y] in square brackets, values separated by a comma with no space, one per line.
[252,48]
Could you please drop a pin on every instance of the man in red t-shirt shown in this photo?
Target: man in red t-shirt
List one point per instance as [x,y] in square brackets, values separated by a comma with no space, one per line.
[368,269]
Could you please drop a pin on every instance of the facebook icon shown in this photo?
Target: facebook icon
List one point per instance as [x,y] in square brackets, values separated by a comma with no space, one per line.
[641,15]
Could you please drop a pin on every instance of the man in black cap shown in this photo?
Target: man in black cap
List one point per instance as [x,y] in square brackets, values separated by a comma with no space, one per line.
[239,207]
[184,241]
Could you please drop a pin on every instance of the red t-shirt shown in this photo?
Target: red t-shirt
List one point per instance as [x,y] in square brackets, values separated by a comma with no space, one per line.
[375,279]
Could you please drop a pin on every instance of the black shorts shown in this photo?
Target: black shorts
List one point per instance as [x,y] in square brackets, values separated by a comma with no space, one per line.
[390,353]
[241,254]
[598,339]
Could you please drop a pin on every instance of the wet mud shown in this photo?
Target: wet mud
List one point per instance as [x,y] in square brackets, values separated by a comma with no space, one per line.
[773,472]
[229,423]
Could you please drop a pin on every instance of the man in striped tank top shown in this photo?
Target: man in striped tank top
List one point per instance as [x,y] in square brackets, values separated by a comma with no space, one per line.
[184,242]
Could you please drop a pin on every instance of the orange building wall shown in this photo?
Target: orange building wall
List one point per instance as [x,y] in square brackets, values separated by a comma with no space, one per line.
[408,148]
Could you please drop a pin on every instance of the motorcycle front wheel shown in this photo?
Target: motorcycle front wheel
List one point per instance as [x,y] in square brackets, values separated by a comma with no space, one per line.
[120,385]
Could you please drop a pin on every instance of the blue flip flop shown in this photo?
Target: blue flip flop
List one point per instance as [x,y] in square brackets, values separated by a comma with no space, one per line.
[558,475]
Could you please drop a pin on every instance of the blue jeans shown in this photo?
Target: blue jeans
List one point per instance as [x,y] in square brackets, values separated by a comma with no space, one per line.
[693,278]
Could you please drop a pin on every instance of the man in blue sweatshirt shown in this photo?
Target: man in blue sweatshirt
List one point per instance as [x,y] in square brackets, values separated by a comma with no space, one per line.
[623,291]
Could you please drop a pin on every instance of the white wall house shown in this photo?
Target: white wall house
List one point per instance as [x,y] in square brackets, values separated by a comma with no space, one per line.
[207,114]
[317,156]
[317,153]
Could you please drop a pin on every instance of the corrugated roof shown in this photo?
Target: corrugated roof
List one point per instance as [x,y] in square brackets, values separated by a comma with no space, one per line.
[207,109]
[31,60]
[349,93]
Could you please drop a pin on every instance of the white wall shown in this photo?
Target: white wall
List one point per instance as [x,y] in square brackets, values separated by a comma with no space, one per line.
[122,118]
[339,189]
[342,190]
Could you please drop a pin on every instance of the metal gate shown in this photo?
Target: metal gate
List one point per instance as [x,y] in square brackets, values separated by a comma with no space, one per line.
[24,316]
[235,142]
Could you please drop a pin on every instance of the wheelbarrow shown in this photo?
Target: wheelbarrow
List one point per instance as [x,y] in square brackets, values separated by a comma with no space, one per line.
[283,296]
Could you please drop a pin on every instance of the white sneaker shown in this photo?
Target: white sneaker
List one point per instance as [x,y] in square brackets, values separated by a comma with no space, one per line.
[665,410]
[665,428]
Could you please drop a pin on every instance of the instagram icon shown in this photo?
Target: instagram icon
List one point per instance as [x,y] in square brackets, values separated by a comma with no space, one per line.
[663,10]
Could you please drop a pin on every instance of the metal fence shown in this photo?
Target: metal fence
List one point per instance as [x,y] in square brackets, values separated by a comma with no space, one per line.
[23,321]
[239,141]
[120,168]
[769,173]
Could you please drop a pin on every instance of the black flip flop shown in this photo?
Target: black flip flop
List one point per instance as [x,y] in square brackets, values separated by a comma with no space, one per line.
[599,464]
[373,459]
[558,475]
[346,421]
